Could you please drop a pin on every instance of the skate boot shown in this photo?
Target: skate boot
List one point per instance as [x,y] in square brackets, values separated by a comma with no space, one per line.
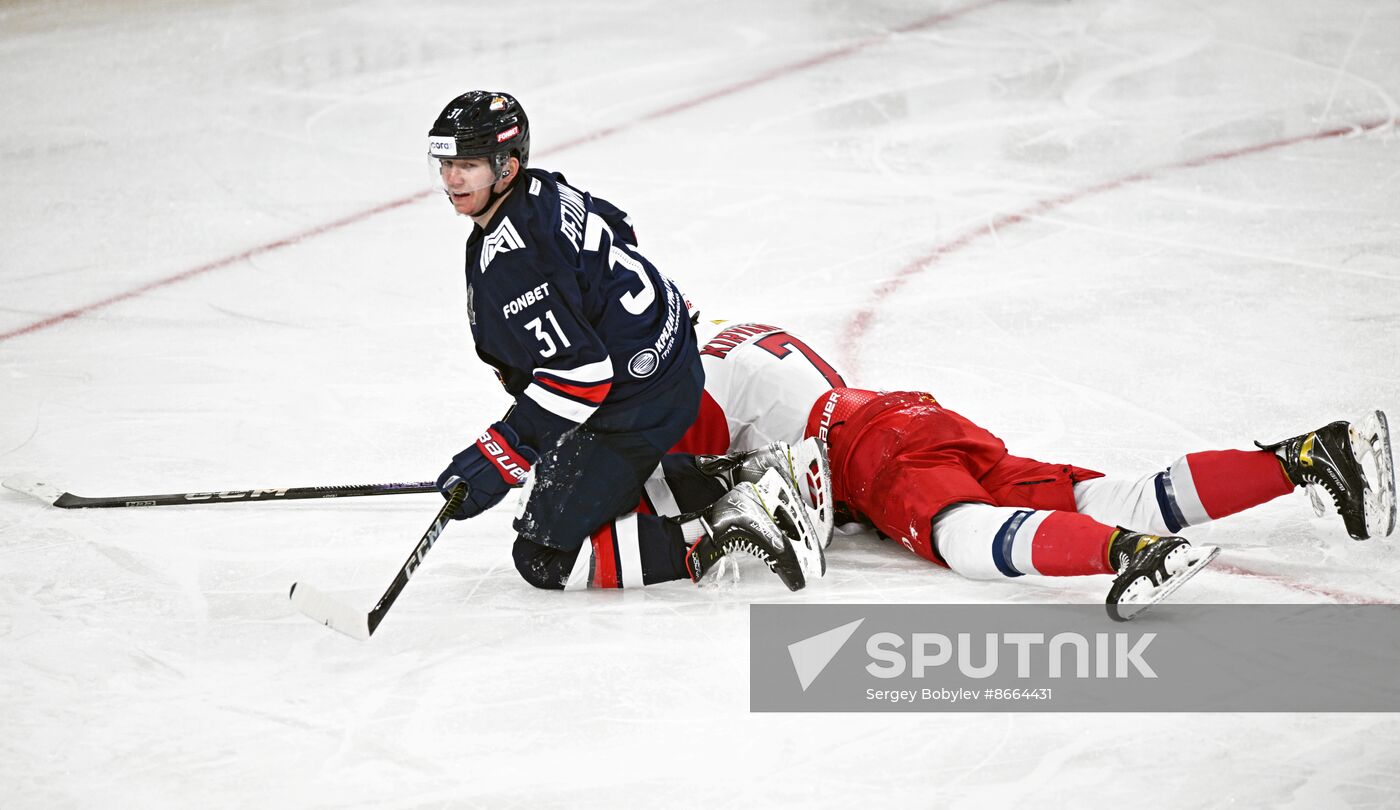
[1353,464]
[766,520]
[1149,569]
[804,468]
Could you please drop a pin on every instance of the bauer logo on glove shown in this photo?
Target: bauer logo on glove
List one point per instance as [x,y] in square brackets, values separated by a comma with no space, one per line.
[497,463]
[513,468]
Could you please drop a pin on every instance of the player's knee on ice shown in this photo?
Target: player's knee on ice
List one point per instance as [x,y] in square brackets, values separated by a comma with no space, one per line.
[542,566]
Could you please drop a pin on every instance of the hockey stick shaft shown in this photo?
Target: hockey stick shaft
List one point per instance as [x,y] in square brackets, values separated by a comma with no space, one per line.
[67,500]
[333,614]
[410,565]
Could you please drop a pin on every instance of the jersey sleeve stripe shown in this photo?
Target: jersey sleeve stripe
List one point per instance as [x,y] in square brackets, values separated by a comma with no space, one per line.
[588,373]
[595,393]
[559,405]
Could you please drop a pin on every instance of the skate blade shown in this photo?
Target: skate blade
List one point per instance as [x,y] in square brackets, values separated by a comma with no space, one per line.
[1370,444]
[1200,557]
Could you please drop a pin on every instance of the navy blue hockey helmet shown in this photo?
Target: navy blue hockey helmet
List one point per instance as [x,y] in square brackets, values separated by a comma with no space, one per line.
[480,123]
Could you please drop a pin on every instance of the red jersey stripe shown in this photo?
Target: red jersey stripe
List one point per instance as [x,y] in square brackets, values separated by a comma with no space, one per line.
[594,393]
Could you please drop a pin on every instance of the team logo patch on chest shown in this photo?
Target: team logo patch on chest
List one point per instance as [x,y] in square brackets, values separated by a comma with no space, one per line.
[502,240]
[471,305]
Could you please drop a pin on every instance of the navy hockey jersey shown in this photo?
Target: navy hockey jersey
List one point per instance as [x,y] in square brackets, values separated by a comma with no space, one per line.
[567,311]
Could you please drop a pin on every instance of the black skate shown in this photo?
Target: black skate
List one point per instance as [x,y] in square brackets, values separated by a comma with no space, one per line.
[804,467]
[1353,464]
[766,520]
[1149,569]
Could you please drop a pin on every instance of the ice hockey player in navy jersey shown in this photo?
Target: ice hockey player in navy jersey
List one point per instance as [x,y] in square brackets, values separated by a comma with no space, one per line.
[597,348]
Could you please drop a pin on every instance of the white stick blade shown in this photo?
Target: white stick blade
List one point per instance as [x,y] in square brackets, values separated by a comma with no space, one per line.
[330,611]
[31,485]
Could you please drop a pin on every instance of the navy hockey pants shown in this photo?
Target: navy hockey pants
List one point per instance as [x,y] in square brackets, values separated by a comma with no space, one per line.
[596,474]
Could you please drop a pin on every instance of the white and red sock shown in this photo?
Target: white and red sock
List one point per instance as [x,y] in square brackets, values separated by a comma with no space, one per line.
[981,541]
[1196,488]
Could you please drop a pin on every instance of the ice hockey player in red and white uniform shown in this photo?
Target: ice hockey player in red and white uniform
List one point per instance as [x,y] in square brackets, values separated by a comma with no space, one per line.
[760,382]
[948,490]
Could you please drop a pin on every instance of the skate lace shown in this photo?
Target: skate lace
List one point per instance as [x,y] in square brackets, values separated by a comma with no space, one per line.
[1151,560]
[1318,481]
[1332,493]
[749,547]
[1329,483]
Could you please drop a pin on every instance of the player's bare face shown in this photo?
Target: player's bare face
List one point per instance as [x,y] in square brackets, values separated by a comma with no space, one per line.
[468,183]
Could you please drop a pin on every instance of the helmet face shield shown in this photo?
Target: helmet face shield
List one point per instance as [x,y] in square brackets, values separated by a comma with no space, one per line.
[462,175]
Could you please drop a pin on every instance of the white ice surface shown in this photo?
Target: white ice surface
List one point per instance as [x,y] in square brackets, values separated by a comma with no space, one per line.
[1103,228]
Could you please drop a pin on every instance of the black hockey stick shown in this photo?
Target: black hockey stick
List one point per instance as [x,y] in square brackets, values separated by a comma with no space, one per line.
[336,615]
[55,496]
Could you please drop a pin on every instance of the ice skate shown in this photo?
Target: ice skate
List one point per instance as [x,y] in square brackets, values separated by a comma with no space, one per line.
[765,519]
[804,467]
[1353,464]
[1149,569]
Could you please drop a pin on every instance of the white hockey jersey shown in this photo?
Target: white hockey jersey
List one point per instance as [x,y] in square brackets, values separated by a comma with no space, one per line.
[760,383]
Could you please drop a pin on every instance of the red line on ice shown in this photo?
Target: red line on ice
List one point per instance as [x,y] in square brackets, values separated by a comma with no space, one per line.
[218,264]
[1341,597]
[861,321]
[728,90]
